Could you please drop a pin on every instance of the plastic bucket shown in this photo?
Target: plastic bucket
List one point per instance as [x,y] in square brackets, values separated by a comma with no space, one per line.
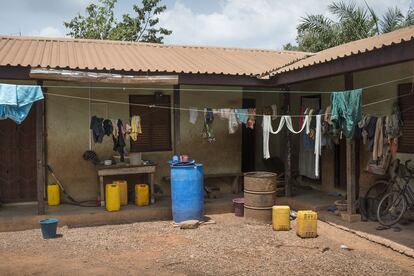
[238,204]
[49,227]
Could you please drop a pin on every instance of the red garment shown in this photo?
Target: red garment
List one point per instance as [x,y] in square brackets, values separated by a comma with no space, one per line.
[252,118]
[302,110]
[393,142]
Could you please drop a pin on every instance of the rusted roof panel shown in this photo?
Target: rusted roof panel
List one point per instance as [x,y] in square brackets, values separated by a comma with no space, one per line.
[139,57]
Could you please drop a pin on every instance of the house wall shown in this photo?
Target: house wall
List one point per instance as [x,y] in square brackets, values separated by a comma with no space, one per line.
[67,122]
[336,83]
[264,98]
[68,134]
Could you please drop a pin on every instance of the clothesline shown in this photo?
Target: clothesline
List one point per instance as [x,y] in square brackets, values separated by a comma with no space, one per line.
[218,90]
[202,110]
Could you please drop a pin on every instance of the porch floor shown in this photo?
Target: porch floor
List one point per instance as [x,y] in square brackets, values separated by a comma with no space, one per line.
[308,200]
[401,233]
[15,218]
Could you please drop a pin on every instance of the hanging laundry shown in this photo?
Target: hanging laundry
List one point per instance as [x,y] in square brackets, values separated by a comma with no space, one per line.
[252,118]
[208,121]
[378,140]
[233,123]
[267,128]
[119,141]
[309,137]
[274,111]
[346,110]
[135,127]
[193,114]
[97,129]
[115,130]
[17,100]
[107,127]
[393,129]
[242,115]
[318,143]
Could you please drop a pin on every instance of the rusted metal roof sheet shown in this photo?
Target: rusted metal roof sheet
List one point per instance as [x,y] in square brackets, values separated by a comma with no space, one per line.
[348,49]
[138,57]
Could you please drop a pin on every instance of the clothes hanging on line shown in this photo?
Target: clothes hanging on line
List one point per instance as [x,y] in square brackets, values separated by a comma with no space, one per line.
[207,132]
[318,143]
[242,115]
[119,141]
[393,129]
[193,114]
[267,129]
[17,100]
[97,129]
[107,127]
[378,140]
[252,118]
[346,110]
[135,127]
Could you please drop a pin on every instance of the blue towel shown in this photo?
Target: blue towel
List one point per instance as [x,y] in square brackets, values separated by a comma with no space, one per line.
[242,115]
[16,100]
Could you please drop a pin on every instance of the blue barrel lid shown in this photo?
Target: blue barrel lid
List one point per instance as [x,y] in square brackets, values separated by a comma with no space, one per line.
[49,221]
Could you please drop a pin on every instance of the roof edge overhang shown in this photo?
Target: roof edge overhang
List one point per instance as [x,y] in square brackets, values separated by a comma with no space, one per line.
[24,73]
[387,55]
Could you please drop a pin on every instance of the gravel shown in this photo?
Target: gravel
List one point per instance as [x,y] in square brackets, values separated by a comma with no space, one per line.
[228,247]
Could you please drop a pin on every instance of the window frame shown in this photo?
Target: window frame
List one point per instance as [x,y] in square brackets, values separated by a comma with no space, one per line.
[403,89]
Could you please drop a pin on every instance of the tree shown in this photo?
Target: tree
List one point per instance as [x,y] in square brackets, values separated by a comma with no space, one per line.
[100,23]
[318,32]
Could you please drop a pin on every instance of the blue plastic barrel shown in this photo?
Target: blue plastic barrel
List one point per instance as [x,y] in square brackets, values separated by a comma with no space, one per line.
[49,227]
[187,192]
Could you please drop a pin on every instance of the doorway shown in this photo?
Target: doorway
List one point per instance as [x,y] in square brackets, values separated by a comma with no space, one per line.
[248,141]
[18,170]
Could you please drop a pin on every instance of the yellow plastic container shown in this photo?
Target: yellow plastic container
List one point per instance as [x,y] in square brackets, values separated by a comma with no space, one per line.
[113,198]
[123,191]
[281,218]
[141,194]
[53,194]
[307,224]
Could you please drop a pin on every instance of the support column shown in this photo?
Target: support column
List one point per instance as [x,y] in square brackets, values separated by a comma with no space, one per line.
[176,113]
[40,155]
[351,173]
[288,150]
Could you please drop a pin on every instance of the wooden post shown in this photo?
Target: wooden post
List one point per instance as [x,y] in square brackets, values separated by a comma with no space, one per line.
[288,151]
[350,160]
[176,113]
[40,155]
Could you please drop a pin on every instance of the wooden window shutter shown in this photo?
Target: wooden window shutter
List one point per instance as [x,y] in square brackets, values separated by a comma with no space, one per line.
[406,104]
[155,123]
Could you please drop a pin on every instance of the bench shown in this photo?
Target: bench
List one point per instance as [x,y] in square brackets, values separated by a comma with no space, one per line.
[236,187]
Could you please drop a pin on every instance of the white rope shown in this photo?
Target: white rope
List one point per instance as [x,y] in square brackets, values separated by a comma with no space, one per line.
[219,90]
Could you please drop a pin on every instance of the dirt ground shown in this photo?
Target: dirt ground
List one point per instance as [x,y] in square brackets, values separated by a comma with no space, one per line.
[228,247]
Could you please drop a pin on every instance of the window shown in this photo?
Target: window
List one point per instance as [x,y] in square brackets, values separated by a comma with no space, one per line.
[155,123]
[406,103]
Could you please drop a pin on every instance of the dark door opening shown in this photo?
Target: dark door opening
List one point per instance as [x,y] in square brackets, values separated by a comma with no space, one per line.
[18,159]
[248,141]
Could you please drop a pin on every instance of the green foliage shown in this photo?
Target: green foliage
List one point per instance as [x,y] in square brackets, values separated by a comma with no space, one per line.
[318,32]
[100,23]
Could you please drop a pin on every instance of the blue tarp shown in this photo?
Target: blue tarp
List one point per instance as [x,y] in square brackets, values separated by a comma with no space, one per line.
[16,100]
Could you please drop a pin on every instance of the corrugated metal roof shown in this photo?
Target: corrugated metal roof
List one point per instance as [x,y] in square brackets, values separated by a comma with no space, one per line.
[139,57]
[348,49]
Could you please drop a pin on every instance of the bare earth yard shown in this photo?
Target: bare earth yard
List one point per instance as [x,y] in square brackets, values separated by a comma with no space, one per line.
[229,247]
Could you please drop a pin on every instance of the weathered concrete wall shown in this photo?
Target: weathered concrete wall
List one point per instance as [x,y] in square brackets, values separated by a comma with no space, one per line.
[383,92]
[224,155]
[335,83]
[361,79]
[68,135]
[264,99]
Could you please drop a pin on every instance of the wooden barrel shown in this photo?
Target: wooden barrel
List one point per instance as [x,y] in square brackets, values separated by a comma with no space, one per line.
[259,196]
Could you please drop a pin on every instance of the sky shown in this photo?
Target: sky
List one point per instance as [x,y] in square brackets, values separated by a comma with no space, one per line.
[265,24]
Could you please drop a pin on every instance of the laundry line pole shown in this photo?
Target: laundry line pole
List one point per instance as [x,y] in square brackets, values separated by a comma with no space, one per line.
[288,149]
[351,181]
